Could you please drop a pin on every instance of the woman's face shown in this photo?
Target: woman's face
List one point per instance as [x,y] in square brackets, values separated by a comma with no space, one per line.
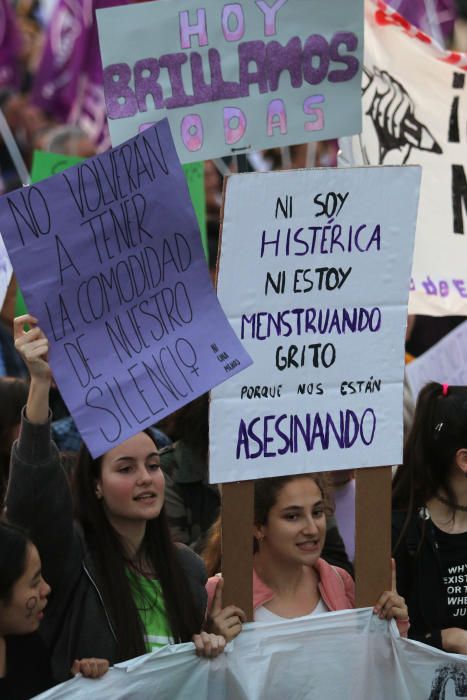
[296,525]
[131,484]
[23,613]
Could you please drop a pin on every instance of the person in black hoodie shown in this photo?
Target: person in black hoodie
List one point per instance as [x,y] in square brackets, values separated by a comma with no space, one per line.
[430,519]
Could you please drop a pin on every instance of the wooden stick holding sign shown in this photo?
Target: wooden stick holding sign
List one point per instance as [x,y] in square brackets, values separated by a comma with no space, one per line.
[372,535]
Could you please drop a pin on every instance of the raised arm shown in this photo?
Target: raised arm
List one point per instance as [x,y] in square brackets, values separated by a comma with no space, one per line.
[38,495]
[33,346]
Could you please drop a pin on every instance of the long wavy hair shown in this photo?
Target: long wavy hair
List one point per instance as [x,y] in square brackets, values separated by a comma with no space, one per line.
[110,557]
[438,431]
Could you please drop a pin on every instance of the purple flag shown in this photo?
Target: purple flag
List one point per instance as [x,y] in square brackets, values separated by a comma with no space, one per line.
[108,255]
[69,82]
[10,45]
[434,17]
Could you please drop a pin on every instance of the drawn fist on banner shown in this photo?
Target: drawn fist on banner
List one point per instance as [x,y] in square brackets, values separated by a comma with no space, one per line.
[392,112]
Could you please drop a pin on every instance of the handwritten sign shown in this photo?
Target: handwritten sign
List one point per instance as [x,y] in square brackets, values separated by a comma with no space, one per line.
[314,277]
[233,77]
[45,164]
[408,122]
[109,258]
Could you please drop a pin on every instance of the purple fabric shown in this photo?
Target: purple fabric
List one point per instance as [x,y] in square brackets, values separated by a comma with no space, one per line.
[108,255]
[344,499]
[69,82]
[416,13]
[10,45]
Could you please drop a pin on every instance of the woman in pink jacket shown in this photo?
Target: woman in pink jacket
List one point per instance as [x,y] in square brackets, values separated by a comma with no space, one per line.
[289,578]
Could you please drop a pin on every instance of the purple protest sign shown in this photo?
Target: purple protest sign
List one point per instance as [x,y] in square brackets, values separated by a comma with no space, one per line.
[108,255]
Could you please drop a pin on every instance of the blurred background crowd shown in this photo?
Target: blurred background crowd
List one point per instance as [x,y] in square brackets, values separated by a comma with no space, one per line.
[51,99]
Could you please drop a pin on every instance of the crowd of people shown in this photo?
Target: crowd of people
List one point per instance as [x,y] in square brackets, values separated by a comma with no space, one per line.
[102,560]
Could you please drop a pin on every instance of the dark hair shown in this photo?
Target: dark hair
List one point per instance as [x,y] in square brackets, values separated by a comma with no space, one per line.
[439,430]
[110,557]
[267,491]
[190,423]
[13,549]
[13,396]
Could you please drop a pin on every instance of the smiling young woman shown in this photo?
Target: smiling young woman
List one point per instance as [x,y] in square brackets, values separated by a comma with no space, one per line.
[121,586]
[290,579]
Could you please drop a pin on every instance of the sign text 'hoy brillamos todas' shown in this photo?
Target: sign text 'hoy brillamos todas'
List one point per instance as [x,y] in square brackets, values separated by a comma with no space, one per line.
[233,77]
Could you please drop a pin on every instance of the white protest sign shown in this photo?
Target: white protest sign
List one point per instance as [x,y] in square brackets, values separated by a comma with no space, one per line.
[294,659]
[314,278]
[6,271]
[415,111]
[445,362]
[233,77]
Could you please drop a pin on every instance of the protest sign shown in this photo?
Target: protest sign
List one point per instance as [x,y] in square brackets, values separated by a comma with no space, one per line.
[45,164]
[5,272]
[194,173]
[289,659]
[109,259]
[410,121]
[445,362]
[314,277]
[234,77]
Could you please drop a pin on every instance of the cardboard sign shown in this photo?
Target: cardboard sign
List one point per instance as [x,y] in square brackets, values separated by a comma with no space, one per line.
[233,77]
[314,277]
[407,122]
[45,164]
[109,259]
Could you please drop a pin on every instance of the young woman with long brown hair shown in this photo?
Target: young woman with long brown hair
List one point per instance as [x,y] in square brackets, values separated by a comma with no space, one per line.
[121,587]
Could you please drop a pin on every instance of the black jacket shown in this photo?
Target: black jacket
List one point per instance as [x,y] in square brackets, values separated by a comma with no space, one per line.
[76,623]
[420,577]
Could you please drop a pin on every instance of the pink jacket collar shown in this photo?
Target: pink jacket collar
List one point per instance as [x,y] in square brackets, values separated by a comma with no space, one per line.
[335,586]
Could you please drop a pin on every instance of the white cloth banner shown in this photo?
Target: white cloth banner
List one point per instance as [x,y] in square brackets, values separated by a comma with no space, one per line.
[414,112]
[350,654]
[313,275]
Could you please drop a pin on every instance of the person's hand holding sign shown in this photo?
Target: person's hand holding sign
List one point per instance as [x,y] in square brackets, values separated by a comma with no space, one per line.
[225,621]
[390,604]
[33,347]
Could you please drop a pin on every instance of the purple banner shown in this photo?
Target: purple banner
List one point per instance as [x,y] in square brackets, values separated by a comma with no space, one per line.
[109,257]
[69,83]
[435,18]
[10,44]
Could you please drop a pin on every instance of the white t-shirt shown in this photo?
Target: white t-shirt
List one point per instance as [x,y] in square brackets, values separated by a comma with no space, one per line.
[262,614]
